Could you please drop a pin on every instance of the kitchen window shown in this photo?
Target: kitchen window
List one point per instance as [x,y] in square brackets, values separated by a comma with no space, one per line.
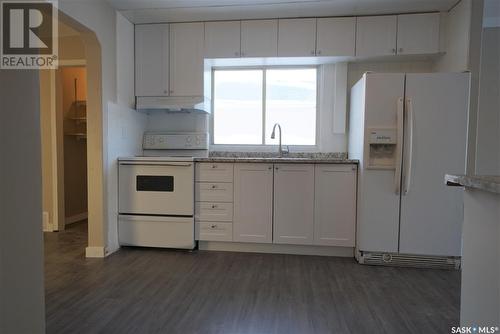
[247,102]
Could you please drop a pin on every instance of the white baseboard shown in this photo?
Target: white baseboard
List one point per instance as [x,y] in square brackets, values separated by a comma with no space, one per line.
[47,226]
[98,252]
[76,218]
[276,248]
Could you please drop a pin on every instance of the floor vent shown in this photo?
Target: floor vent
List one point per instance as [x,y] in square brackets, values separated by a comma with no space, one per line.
[404,260]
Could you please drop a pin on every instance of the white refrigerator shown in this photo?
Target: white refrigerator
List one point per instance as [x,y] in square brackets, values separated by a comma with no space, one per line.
[408,131]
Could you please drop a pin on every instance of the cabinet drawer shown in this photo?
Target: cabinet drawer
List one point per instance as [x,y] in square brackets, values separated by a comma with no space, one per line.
[214,231]
[214,211]
[214,172]
[213,192]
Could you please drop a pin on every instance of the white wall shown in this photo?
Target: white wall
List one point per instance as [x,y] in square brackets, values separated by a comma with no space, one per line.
[21,243]
[124,61]
[488,127]
[125,129]
[456,35]
[117,87]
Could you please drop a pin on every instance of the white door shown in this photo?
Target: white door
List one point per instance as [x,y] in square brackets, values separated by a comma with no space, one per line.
[296,37]
[253,203]
[151,60]
[222,39]
[335,205]
[418,33]
[336,36]
[376,35]
[293,204]
[186,59]
[378,201]
[435,144]
[259,38]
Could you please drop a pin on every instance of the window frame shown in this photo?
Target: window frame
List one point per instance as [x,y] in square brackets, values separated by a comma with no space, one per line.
[263,147]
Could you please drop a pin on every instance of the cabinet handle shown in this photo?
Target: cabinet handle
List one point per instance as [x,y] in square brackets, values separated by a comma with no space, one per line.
[394,51]
[269,168]
[165,92]
[214,206]
[400,50]
[319,52]
[213,226]
[276,168]
[171,92]
[214,166]
[313,53]
[214,186]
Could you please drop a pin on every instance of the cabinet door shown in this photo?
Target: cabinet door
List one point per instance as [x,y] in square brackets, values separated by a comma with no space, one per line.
[259,38]
[222,39]
[335,205]
[418,33]
[186,59]
[376,35]
[253,203]
[293,204]
[151,60]
[336,36]
[297,37]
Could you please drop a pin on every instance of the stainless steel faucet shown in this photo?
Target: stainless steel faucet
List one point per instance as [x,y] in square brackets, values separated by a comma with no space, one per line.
[273,135]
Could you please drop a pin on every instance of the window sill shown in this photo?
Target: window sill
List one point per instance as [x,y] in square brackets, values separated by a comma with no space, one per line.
[264,149]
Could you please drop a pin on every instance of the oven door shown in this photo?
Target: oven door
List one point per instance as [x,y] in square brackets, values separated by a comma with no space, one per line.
[156,188]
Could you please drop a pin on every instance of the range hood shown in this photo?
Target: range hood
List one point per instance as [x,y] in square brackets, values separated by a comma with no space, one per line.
[173,104]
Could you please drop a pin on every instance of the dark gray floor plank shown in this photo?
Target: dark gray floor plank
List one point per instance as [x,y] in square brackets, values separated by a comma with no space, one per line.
[138,290]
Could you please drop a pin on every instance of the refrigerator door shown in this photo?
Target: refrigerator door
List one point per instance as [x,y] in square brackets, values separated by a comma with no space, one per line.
[378,197]
[434,144]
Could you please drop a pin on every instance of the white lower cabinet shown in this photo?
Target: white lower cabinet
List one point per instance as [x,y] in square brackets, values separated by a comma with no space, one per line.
[335,205]
[293,204]
[214,231]
[253,203]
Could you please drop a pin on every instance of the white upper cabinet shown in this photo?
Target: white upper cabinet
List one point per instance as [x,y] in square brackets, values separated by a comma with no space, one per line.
[296,37]
[335,205]
[293,204]
[418,33]
[222,39]
[259,38]
[253,203]
[186,59]
[336,36]
[151,60]
[376,35]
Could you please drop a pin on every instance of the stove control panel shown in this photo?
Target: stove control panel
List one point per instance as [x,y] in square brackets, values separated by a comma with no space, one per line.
[175,141]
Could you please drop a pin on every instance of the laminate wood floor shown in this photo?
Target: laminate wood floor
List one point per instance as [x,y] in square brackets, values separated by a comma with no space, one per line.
[138,290]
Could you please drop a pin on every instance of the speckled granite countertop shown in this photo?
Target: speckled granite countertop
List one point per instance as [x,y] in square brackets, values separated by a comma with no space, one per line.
[490,183]
[327,158]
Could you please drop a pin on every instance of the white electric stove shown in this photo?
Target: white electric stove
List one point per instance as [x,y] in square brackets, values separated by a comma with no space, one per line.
[156,191]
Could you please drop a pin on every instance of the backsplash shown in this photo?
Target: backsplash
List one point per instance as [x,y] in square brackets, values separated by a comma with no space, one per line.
[308,155]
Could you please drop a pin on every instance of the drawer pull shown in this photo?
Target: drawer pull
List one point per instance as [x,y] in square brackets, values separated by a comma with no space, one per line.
[214,206]
[213,226]
[214,166]
[214,186]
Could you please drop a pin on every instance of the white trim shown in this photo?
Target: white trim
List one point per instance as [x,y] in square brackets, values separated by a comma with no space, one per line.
[276,248]
[55,153]
[72,62]
[47,226]
[76,218]
[98,252]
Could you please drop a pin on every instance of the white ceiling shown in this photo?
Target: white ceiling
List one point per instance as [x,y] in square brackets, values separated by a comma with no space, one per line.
[149,11]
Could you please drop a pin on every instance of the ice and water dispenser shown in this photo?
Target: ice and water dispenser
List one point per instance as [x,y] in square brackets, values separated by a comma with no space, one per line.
[382,148]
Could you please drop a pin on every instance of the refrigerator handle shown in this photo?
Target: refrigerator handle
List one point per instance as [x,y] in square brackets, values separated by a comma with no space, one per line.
[407,175]
[399,147]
